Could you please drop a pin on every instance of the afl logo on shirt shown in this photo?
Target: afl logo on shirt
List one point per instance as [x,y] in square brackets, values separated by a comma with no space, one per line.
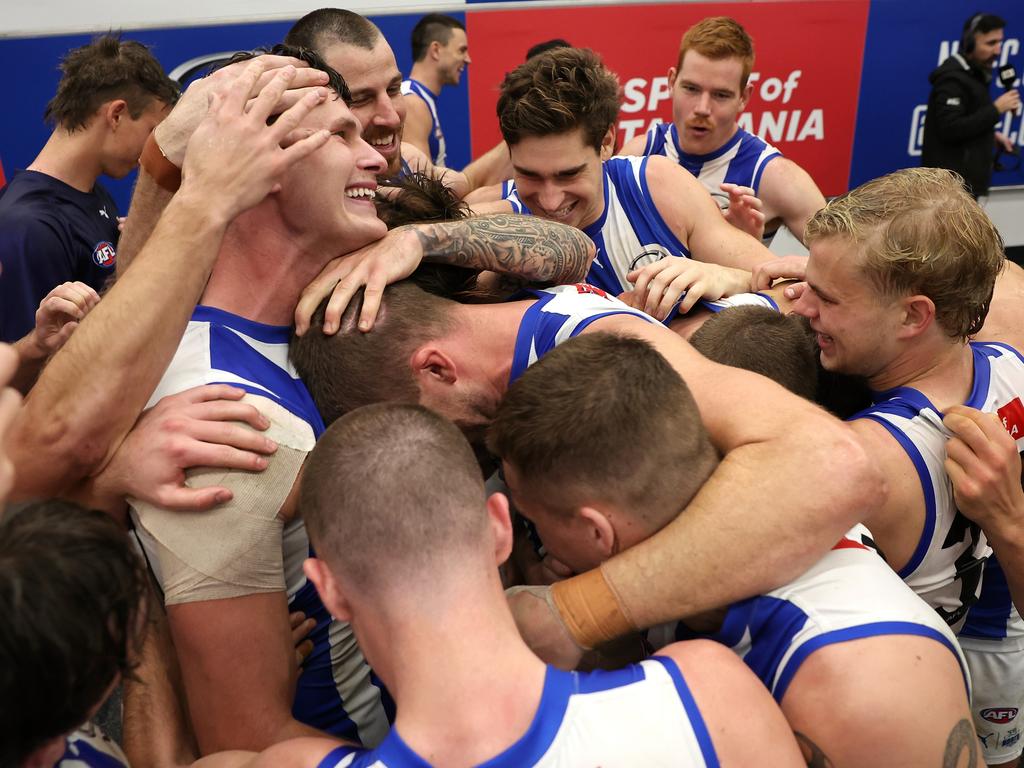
[104,255]
[999,715]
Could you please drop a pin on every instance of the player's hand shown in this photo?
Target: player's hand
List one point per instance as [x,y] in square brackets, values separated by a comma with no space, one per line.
[59,314]
[173,133]
[1008,101]
[787,268]
[373,267]
[541,626]
[10,403]
[234,159]
[301,627]
[983,463]
[677,279]
[745,210]
[194,428]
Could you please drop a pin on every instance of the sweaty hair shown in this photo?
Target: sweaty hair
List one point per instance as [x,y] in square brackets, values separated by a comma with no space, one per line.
[764,341]
[353,368]
[325,27]
[393,497]
[334,79]
[557,92]
[434,27]
[604,418]
[71,597]
[547,45]
[919,232]
[108,68]
[717,38]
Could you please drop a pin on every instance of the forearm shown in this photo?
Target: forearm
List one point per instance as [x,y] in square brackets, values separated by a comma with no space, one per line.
[31,360]
[492,167]
[527,246]
[756,524]
[93,390]
[1008,546]
[148,201]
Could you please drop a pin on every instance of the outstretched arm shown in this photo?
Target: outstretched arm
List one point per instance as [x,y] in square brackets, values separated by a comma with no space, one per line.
[526,246]
[788,192]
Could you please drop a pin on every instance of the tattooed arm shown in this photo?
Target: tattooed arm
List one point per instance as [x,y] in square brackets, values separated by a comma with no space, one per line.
[525,246]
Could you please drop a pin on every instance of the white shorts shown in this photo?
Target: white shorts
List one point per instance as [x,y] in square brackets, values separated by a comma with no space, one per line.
[997,674]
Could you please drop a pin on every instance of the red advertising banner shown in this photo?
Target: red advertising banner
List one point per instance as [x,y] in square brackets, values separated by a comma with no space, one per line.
[806,77]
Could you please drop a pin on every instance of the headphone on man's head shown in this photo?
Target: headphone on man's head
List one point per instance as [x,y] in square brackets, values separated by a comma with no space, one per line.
[967,40]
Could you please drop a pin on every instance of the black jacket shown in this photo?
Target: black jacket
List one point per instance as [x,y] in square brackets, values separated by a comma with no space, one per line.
[959,130]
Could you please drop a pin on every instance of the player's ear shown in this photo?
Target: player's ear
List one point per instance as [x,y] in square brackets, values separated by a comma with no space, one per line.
[430,364]
[113,112]
[745,94]
[501,526]
[600,532]
[918,314]
[331,594]
[608,143]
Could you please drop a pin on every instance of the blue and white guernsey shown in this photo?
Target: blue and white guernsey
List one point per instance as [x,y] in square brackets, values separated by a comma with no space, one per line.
[337,691]
[741,160]
[412,87]
[559,314]
[946,566]
[630,233]
[847,595]
[89,747]
[641,715]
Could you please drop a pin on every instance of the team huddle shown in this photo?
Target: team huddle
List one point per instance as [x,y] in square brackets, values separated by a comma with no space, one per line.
[546,462]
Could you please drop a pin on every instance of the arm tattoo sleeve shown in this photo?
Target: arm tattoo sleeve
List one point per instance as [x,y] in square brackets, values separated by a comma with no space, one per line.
[533,248]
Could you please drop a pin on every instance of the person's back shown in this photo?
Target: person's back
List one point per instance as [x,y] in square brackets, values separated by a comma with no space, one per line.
[57,224]
[425,599]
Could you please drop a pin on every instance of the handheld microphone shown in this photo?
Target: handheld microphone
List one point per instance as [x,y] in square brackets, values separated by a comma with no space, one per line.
[1007,76]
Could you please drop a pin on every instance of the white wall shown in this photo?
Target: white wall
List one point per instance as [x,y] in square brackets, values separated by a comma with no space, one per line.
[1006,209]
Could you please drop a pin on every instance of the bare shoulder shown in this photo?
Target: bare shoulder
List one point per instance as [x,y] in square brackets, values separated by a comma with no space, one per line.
[634,146]
[789,192]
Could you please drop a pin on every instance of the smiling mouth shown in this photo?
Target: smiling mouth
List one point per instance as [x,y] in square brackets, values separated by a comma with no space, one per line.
[560,214]
[361,193]
[384,143]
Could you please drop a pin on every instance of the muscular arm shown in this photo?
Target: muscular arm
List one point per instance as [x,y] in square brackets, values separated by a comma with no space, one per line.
[793,480]
[417,124]
[418,161]
[148,201]
[692,215]
[526,246]
[788,192]
[492,167]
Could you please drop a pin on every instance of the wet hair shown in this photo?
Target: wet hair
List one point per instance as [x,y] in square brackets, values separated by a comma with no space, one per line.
[556,93]
[108,68]
[334,79]
[71,595]
[547,45]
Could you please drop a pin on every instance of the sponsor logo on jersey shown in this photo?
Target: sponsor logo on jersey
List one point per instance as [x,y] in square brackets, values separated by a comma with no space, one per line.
[1012,416]
[1011,739]
[584,288]
[104,255]
[999,715]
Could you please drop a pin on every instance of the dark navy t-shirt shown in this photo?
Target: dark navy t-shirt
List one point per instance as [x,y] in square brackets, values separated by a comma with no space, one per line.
[50,233]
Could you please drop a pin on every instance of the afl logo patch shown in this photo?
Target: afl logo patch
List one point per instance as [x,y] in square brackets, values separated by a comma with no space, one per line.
[999,715]
[104,255]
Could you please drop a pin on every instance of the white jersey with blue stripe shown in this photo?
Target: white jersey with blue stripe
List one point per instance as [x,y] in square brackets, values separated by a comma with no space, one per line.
[946,566]
[849,594]
[641,715]
[337,691]
[630,233]
[559,314]
[741,160]
[437,148]
[89,747]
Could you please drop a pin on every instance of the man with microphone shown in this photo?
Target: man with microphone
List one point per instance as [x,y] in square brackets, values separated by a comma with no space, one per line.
[959,132]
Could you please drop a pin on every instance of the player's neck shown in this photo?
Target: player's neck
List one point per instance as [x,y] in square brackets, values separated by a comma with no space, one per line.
[466,685]
[941,369]
[426,74]
[70,157]
[492,330]
[260,271]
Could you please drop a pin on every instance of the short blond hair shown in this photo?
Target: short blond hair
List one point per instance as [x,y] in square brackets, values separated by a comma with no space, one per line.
[719,37]
[919,232]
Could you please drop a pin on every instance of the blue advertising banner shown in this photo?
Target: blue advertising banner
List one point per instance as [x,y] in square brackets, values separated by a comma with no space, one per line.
[32,64]
[905,42]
